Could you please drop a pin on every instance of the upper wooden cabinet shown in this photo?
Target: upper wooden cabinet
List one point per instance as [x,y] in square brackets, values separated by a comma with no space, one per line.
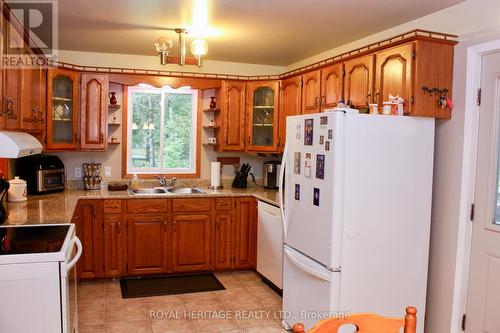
[332,79]
[290,105]
[394,74]
[233,116]
[33,99]
[62,106]
[311,88]
[262,116]
[359,81]
[93,112]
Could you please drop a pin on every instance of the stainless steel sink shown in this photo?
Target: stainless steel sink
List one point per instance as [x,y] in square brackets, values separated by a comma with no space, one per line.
[185,190]
[148,191]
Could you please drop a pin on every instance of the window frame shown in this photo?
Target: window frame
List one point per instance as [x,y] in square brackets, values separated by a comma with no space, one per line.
[127,169]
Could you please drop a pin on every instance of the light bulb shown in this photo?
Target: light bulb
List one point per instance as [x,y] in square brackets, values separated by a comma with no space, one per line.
[163,45]
[199,47]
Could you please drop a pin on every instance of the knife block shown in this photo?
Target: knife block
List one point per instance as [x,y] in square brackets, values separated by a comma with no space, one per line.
[239,181]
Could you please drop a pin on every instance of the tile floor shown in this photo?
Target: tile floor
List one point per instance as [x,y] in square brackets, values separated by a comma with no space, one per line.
[249,304]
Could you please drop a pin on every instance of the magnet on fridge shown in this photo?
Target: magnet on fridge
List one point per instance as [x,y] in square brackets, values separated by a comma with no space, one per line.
[327,145]
[298,133]
[330,134]
[308,132]
[307,166]
[320,166]
[323,121]
[296,162]
[321,139]
[316,197]
[297,192]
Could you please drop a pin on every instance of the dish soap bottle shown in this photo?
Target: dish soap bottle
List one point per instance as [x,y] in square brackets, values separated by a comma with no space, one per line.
[134,183]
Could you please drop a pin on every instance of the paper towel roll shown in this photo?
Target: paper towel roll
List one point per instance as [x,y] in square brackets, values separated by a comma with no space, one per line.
[215,174]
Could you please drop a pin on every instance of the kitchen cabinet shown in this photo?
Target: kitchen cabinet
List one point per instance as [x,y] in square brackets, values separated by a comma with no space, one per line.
[147,242]
[358,81]
[332,79]
[394,75]
[33,99]
[93,111]
[245,233]
[223,241]
[89,225]
[262,116]
[62,109]
[290,105]
[115,245]
[311,85]
[190,242]
[233,116]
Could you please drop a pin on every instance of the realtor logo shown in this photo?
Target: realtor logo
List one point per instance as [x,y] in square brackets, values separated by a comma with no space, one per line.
[32,29]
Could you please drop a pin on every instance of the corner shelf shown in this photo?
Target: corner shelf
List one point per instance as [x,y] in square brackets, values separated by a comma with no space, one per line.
[211,126]
[212,110]
[114,106]
[114,124]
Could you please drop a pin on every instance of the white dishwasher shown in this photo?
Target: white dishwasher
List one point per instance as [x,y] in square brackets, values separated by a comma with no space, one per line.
[270,243]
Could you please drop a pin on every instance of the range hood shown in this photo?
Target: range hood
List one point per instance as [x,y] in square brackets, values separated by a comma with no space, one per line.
[18,144]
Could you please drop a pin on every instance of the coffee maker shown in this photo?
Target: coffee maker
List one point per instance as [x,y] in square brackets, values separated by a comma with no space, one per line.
[271,174]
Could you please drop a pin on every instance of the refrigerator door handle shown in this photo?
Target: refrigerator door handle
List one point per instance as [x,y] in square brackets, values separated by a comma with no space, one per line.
[306,268]
[281,189]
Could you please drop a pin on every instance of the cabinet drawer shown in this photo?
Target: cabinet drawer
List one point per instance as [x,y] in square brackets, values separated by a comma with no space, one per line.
[223,204]
[147,206]
[191,205]
[112,206]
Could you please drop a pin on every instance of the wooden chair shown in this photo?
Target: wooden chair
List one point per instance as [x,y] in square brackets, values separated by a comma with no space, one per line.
[366,323]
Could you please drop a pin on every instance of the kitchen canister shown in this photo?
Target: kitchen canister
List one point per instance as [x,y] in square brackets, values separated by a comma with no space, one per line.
[17,190]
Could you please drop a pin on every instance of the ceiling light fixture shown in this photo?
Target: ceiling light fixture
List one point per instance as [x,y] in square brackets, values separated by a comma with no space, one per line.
[163,46]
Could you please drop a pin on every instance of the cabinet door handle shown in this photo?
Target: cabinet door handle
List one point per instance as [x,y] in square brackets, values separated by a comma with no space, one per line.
[323,100]
[165,226]
[316,101]
[118,227]
[175,225]
[102,138]
[368,97]
[76,137]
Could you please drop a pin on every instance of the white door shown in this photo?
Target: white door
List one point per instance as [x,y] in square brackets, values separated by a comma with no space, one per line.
[483,295]
[309,290]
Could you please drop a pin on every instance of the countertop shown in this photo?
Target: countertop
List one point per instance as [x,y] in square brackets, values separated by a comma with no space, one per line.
[59,207]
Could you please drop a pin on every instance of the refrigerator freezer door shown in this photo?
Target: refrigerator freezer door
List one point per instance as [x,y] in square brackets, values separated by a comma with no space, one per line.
[311,291]
[313,183]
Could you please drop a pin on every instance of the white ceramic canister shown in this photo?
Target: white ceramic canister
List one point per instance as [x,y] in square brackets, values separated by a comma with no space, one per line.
[17,190]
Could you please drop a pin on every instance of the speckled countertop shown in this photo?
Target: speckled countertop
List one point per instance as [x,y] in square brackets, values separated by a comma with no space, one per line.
[59,207]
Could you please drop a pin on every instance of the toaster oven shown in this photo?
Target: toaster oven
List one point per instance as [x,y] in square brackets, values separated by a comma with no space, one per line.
[43,173]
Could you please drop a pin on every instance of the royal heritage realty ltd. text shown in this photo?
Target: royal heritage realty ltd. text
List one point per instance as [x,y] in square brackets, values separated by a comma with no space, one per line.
[246,314]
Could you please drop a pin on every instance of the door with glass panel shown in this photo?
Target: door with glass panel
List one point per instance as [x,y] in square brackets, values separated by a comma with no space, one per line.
[483,301]
[62,120]
[262,120]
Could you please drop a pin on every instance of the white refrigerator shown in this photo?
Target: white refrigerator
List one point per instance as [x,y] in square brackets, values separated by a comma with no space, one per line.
[356,215]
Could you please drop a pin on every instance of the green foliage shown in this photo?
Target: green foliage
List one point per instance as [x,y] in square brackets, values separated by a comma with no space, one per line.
[146,138]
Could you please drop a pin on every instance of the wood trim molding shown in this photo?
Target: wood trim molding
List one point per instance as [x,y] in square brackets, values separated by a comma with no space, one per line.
[417,34]
[160,81]
[125,110]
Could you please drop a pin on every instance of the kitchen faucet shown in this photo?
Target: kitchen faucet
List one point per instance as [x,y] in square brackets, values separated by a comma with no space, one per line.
[164,181]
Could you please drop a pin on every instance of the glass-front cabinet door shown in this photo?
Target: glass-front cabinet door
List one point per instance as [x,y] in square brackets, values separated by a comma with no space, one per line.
[262,108]
[62,98]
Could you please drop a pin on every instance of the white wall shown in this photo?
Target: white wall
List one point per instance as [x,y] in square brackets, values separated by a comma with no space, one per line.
[464,18]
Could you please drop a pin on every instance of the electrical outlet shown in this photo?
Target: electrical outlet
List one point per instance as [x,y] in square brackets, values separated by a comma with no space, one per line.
[107,171]
[78,172]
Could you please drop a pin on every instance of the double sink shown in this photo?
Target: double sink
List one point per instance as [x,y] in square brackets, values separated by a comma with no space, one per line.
[162,190]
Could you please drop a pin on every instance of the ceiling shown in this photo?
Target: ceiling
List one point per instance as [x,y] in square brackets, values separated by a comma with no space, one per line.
[273,32]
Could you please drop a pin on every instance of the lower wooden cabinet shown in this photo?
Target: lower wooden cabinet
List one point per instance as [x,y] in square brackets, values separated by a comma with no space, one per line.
[115,245]
[88,220]
[223,241]
[147,244]
[245,233]
[122,238]
[190,242]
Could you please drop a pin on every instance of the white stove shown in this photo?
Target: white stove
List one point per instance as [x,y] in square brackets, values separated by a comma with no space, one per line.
[38,278]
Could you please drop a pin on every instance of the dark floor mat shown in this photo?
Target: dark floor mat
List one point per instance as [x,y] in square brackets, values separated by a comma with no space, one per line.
[169,285]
